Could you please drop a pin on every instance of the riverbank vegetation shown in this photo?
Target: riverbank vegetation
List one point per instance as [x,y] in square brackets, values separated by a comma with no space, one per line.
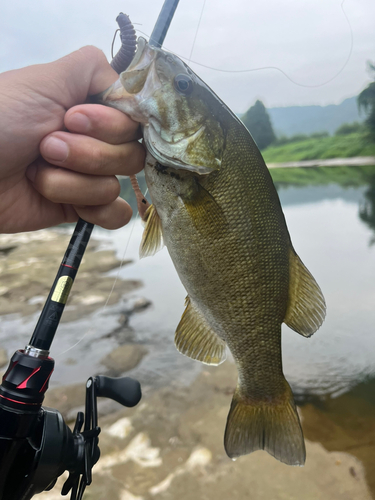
[318,176]
[320,146]
[348,141]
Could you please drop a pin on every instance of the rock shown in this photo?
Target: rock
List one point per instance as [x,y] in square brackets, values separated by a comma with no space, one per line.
[3,357]
[136,304]
[124,358]
[28,264]
[66,398]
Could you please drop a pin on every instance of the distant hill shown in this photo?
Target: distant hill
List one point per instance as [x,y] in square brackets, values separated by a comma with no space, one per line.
[308,119]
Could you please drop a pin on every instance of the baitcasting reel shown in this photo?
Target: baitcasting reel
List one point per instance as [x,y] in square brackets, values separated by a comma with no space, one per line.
[36,445]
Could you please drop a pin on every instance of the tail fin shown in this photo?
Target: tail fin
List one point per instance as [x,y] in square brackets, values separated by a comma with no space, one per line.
[274,428]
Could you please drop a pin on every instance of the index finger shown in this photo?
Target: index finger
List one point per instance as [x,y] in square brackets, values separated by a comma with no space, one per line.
[103,123]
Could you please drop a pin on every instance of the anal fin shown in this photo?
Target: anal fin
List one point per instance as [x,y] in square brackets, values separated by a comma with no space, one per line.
[152,238]
[195,338]
[306,305]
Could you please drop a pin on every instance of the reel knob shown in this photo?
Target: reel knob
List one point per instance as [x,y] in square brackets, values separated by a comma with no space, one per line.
[125,390]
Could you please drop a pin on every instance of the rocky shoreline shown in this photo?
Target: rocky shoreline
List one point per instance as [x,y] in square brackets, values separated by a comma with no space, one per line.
[171,446]
[29,262]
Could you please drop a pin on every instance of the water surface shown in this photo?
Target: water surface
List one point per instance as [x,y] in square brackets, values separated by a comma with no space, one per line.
[332,374]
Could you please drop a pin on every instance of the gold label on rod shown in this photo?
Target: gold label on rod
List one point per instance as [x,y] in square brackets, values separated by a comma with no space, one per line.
[62,289]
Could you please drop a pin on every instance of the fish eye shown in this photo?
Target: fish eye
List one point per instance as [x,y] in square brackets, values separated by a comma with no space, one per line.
[183,84]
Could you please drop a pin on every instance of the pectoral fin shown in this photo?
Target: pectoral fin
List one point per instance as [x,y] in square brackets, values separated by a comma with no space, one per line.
[152,239]
[204,211]
[196,339]
[306,306]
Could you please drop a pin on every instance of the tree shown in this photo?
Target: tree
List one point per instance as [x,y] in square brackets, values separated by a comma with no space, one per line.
[366,101]
[258,122]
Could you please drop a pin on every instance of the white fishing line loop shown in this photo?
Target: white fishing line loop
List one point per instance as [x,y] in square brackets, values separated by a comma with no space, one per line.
[276,68]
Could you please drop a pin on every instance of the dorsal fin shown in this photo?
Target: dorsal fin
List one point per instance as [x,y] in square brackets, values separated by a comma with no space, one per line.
[306,305]
[195,338]
[152,238]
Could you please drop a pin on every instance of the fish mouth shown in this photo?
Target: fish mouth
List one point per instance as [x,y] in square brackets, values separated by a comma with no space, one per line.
[171,153]
[135,85]
[139,61]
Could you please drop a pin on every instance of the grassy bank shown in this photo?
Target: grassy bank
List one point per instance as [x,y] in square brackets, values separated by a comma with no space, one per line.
[338,146]
[344,176]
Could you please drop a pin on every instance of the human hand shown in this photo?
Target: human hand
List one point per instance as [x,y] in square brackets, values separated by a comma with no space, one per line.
[39,188]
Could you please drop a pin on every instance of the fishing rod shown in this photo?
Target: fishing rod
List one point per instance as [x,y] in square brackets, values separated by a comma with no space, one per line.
[36,445]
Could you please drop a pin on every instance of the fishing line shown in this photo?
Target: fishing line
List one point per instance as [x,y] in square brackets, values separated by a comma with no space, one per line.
[113,42]
[275,67]
[196,32]
[91,331]
[285,74]
[114,38]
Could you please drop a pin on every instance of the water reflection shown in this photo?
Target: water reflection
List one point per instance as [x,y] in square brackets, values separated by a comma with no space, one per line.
[345,423]
[367,207]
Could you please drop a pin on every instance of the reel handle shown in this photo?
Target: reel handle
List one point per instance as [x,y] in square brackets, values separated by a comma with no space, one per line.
[125,390]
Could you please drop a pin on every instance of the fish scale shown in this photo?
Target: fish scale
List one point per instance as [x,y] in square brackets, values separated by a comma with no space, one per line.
[216,209]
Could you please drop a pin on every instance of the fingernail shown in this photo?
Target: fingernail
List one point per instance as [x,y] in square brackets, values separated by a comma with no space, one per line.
[55,149]
[31,172]
[79,122]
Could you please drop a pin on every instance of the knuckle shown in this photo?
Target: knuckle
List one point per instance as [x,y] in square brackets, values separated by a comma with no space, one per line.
[92,52]
[132,157]
[141,153]
[46,185]
[98,160]
[139,156]
[117,215]
[111,189]
[128,213]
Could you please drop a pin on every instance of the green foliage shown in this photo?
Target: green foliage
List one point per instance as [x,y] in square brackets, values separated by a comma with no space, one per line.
[258,123]
[280,141]
[318,176]
[366,101]
[349,128]
[319,135]
[298,138]
[338,146]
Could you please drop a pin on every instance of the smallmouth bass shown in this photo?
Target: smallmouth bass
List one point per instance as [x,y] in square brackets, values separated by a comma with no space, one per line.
[215,207]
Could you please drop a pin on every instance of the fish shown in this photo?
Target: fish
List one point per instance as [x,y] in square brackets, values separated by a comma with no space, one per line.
[216,209]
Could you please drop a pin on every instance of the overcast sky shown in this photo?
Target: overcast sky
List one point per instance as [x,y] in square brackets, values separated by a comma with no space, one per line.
[308,39]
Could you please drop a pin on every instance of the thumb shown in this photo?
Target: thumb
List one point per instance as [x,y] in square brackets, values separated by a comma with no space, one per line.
[81,73]
[37,97]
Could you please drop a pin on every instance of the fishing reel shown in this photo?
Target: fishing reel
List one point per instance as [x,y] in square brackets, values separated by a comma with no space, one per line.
[36,445]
